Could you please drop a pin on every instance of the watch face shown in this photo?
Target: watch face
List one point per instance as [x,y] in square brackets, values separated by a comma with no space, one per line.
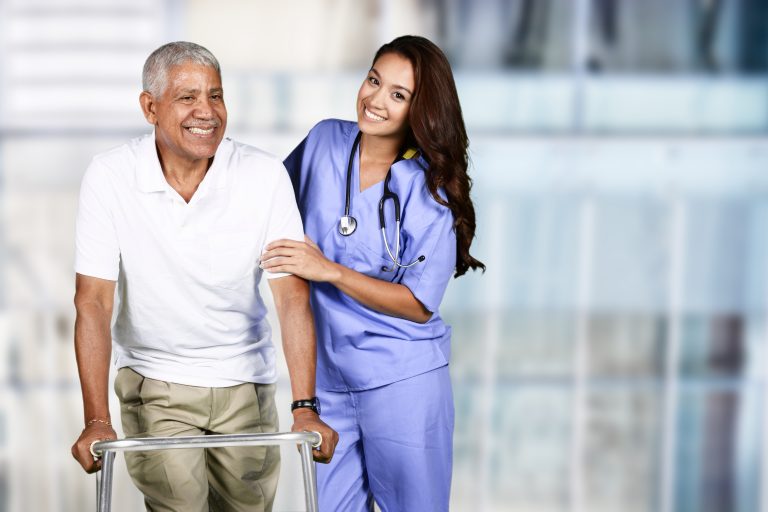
[312,403]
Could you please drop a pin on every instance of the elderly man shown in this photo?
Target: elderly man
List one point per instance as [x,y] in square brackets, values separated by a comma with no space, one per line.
[177,220]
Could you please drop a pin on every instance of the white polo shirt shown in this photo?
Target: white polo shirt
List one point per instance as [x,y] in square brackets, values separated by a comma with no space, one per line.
[188,307]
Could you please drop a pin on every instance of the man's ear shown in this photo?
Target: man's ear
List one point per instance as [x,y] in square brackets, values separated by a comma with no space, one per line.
[147,102]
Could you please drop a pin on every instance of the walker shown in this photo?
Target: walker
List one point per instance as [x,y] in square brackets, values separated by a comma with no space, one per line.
[106,450]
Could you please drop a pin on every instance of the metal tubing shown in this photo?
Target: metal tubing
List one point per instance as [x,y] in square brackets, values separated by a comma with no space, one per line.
[98,487]
[308,471]
[108,449]
[104,502]
[140,444]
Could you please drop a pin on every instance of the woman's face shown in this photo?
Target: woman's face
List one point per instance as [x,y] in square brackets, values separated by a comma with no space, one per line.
[384,99]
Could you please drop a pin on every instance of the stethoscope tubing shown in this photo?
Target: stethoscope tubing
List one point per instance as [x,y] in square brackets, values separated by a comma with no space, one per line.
[348,224]
[351,161]
[397,251]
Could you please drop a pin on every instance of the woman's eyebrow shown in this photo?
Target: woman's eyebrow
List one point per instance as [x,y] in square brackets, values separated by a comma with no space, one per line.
[398,86]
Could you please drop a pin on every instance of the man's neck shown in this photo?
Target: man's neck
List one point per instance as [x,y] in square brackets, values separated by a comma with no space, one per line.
[184,176]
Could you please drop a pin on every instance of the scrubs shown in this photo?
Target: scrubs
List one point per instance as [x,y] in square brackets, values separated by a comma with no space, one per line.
[382,381]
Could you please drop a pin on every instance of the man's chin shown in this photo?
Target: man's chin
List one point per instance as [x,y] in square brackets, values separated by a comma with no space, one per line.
[205,150]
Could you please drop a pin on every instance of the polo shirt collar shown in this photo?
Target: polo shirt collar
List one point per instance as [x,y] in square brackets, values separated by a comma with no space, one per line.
[218,174]
[149,174]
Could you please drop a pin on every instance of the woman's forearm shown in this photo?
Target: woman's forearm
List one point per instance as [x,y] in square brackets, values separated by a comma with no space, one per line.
[306,260]
[385,297]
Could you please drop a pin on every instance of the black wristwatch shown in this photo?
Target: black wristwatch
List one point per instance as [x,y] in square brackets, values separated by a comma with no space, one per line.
[308,403]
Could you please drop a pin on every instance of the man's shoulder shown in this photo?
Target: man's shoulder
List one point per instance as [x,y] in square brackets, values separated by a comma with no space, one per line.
[253,153]
[122,157]
[247,160]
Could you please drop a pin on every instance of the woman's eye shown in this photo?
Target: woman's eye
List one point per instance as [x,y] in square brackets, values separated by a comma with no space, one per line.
[373,80]
[399,96]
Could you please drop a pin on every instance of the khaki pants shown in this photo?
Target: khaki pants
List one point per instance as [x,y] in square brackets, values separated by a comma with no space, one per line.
[219,479]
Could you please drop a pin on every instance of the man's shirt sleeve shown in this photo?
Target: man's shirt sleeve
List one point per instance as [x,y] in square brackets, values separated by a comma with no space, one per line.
[284,217]
[97,252]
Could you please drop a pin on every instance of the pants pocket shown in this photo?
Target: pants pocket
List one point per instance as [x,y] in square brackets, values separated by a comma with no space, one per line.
[128,386]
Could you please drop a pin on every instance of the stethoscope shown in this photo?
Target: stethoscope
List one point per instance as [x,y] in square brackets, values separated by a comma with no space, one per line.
[348,224]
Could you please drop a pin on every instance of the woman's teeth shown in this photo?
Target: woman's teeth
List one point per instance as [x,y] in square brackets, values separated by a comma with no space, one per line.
[372,116]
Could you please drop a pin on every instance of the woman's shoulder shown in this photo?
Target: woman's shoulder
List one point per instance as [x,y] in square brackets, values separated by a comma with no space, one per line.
[412,170]
[414,190]
[332,129]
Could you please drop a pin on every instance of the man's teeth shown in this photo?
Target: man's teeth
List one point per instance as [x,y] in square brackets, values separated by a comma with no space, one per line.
[371,115]
[201,131]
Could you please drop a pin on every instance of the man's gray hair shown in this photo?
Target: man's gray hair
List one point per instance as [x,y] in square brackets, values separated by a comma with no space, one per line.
[155,75]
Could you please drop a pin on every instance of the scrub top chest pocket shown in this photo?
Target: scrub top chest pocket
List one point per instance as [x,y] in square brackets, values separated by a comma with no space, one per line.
[371,263]
[232,258]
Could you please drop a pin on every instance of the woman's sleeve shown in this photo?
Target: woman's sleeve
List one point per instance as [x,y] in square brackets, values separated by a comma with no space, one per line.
[293,163]
[436,241]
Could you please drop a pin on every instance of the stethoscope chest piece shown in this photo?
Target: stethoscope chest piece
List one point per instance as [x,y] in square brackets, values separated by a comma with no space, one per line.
[347,225]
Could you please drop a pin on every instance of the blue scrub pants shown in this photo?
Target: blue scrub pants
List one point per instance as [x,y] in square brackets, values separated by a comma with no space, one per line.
[395,446]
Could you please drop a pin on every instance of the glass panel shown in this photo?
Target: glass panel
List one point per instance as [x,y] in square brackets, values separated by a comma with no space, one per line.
[712,346]
[4,488]
[540,253]
[537,345]
[533,468]
[528,467]
[716,241]
[521,34]
[623,35]
[719,446]
[631,255]
[621,450]
[626,346]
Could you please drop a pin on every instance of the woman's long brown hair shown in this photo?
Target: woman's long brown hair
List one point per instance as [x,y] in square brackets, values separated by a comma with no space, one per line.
[437,129]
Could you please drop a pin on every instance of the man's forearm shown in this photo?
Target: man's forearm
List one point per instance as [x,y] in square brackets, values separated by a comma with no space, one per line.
[291,295]
[298,333]
[93,347]
[94,300]
[298,330]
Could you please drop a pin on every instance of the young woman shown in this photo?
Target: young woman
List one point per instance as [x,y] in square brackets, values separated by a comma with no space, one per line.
[388,218]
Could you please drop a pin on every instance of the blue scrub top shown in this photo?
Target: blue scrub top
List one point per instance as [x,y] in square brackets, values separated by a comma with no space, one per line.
[359,348]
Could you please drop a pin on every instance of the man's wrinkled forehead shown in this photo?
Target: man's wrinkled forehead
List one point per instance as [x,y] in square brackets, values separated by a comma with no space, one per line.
[193,78]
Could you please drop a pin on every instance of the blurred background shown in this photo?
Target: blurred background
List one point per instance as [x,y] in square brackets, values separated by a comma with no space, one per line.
[614,355]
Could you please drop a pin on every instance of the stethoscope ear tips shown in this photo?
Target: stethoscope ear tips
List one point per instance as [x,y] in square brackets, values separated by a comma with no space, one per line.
[397,264]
